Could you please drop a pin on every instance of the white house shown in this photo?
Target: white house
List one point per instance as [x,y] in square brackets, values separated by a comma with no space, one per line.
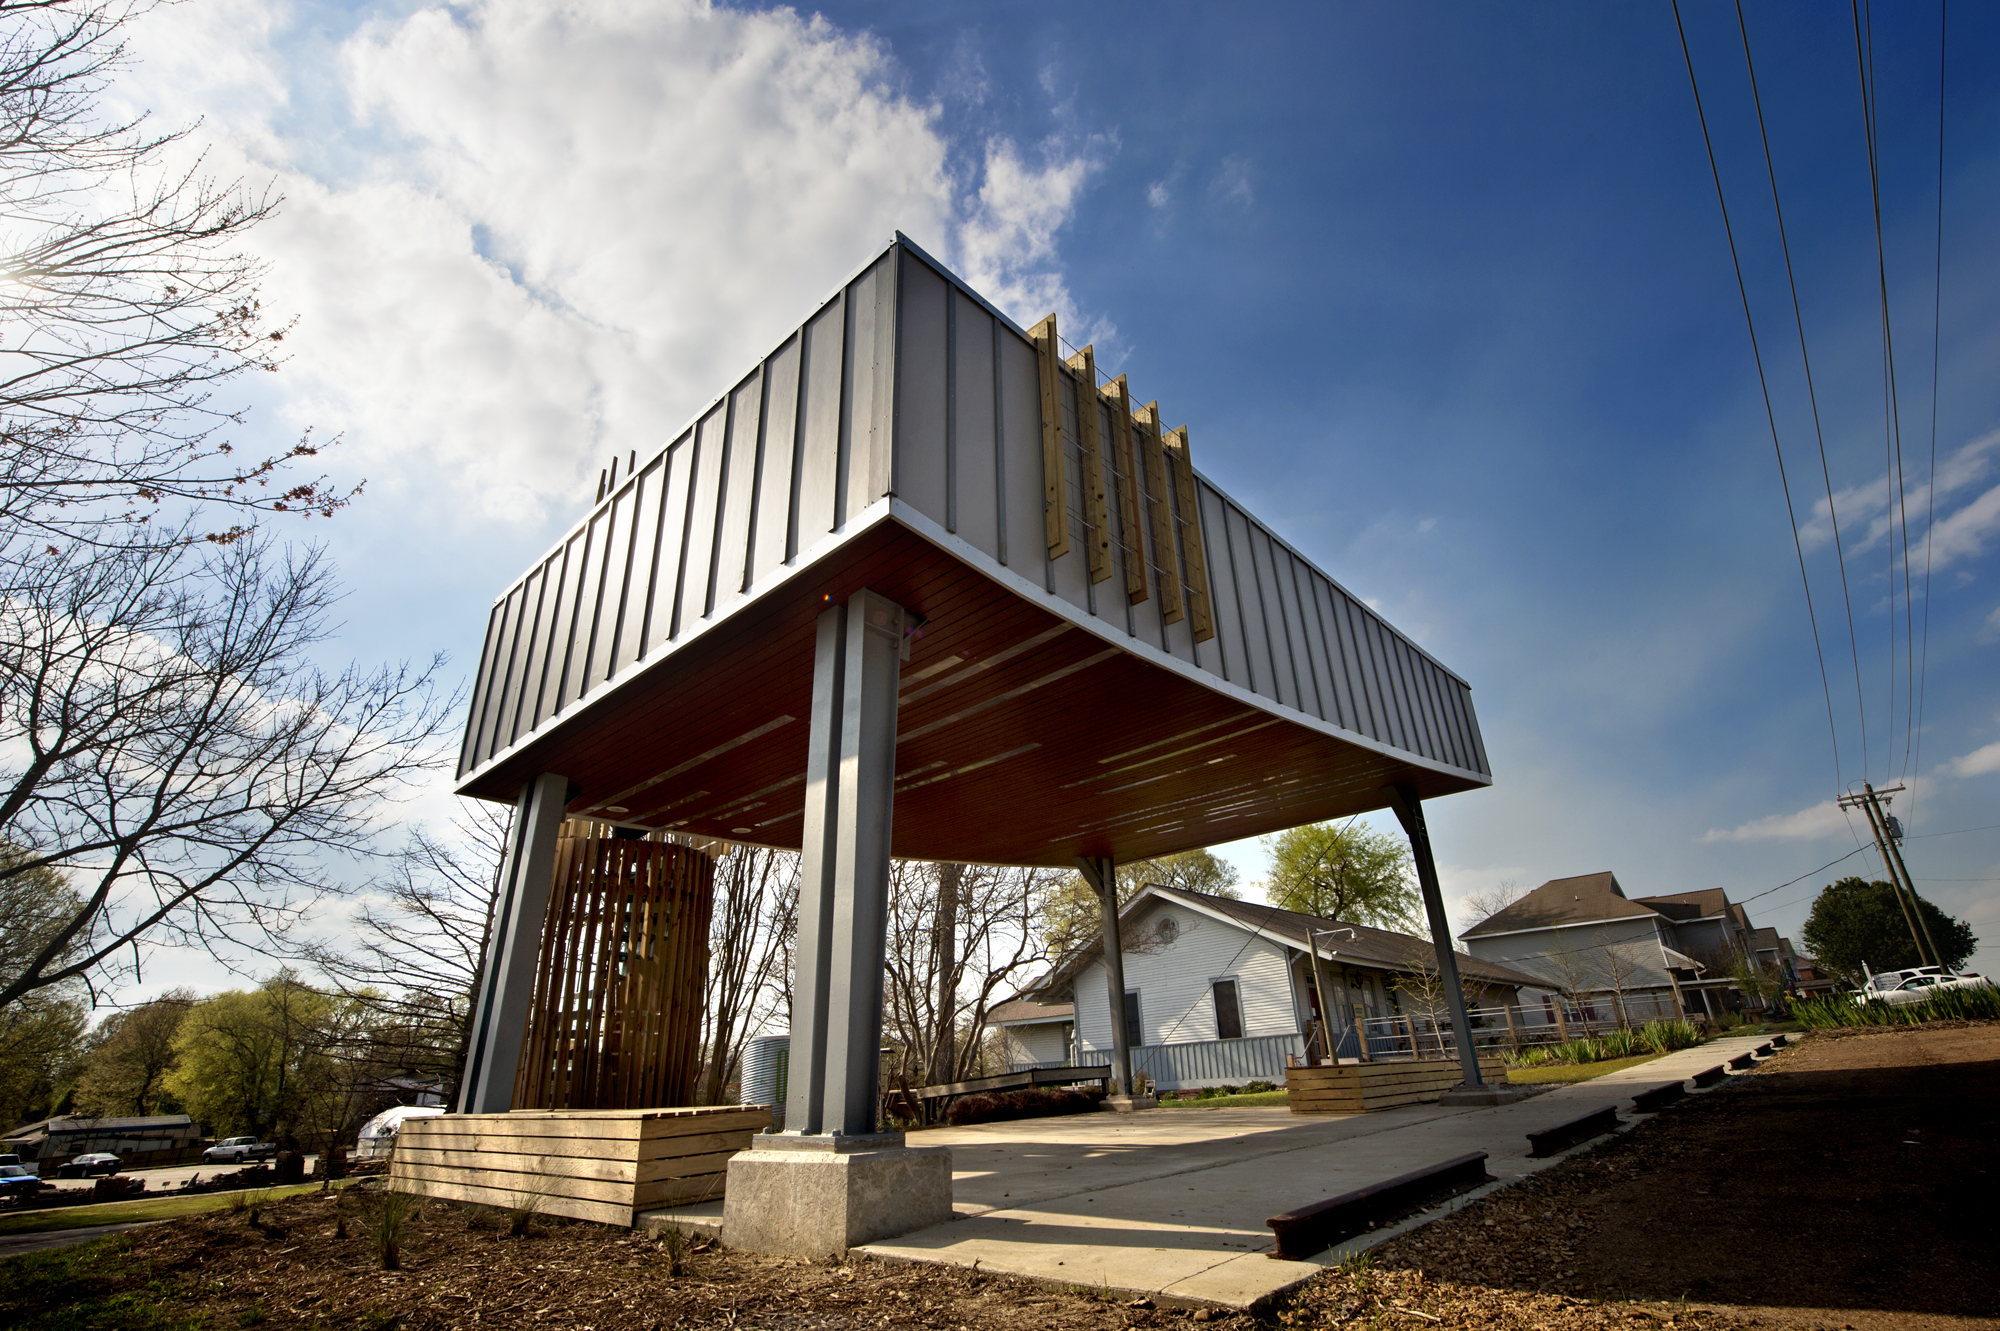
[1221,991]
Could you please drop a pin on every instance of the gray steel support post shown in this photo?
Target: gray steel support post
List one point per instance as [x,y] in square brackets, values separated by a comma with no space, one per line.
[1410,812]
[835,1063]
[1102,875]
[507,975]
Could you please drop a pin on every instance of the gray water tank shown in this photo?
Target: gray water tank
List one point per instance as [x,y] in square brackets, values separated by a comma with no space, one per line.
[765,1060]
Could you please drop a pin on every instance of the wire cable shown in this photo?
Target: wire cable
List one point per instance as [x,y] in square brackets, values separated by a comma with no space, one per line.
[1864,57]
[1791,511]
[1930,484]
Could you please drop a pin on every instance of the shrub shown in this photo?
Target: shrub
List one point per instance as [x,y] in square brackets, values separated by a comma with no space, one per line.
[1619,1044]
[1663,1037]
[1259,1087]
[396,1208]
[1033,1102]
[1980,1004]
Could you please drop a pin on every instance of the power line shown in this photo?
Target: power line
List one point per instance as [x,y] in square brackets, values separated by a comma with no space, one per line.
[1864,57]
[1930,484]
[1791,512]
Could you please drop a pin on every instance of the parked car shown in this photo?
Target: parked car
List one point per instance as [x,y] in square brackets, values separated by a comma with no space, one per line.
[15,1180]
[1916,983]
[83,1166]
[238,1151]
[29,1165]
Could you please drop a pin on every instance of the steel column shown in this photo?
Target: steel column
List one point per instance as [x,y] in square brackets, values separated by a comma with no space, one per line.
[1410,812]
[1102,875]
[835,1064]
[507,973]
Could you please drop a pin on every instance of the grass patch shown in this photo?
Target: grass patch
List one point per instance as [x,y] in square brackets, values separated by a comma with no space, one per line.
[96,1286]
[1569,1072]
[1228,1101]
[165,1206]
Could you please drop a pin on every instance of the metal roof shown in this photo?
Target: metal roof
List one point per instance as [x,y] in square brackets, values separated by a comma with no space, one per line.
[1117,659]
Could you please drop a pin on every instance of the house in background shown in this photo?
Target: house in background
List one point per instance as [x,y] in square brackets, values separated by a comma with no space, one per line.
[1220,991]
[1663,955]
[1033,1034]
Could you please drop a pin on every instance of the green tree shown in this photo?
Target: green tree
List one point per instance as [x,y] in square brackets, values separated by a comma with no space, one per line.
[41,1032]
[1344,872]
[126,1069]
[266,1060]
[1069,918]
[1857,924]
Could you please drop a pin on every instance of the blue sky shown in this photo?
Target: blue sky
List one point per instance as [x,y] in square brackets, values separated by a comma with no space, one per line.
[1442,292]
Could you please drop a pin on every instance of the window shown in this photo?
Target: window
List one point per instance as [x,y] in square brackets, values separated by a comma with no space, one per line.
[1228,1012]
[1132,1037]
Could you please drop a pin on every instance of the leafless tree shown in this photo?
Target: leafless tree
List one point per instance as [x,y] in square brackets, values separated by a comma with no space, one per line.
[1483,903]
[1617,963]
[960,937]
[411,960]
[167,744]
[127,301]
[749,956]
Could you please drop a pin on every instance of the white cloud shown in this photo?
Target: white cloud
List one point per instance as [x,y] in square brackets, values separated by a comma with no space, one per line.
[1979,762]
[1869,512]
[534,236]
[1815,823]
[1232,182]
[1157,195]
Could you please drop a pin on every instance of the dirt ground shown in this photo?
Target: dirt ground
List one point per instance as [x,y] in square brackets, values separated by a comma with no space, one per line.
[1847,1184]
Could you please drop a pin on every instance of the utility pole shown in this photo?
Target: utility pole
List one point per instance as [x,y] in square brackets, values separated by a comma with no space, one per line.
[1870,801]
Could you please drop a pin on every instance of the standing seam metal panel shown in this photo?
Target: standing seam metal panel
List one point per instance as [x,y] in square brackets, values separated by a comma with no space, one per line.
[1228,641]
[1305,596]
[1256,638]
[632,601]
[731,571]
[672,556]
[523,718]
[469,754]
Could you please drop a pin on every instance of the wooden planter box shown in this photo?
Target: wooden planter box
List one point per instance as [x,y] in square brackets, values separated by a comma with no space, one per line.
[1350,1088]
[605,1165]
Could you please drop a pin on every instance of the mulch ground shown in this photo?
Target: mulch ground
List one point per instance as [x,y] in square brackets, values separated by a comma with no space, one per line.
[1846,1184]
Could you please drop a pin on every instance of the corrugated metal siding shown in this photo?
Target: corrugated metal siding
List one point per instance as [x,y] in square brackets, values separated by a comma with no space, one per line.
[757,479]
[943,403]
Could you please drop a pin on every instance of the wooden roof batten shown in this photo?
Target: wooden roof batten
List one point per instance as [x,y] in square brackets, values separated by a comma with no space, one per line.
[1111,656]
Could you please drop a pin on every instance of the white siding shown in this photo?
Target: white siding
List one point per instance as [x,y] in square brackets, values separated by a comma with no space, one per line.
[1046,1043]
[1173,979]
[1637,940]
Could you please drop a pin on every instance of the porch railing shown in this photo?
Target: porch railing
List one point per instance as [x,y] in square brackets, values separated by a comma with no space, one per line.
[1421,1035]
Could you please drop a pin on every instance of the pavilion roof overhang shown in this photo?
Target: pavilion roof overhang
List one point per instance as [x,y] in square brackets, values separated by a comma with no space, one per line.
[1174,677]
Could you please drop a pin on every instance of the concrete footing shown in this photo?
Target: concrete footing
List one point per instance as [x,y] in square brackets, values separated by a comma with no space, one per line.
[1126,1104]
[818,1196]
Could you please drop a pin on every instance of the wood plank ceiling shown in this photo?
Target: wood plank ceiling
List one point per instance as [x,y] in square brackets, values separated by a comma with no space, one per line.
[1022,737]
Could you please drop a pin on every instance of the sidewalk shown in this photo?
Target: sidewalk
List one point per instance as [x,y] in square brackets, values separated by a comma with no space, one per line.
[1171,1203]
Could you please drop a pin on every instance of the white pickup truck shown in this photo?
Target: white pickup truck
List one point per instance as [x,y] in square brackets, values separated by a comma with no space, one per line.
[1916,983]
[238,1151]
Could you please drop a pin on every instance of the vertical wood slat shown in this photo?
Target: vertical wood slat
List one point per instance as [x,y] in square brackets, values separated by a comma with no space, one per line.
[1096,512]
[1125,476]
[1172,607]
[1055,501]
[1201,607]
[624,952]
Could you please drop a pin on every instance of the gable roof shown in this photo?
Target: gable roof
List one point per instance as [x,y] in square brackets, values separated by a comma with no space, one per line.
[1382,949]
[1699,904]
[1590,898]
[1027,1011]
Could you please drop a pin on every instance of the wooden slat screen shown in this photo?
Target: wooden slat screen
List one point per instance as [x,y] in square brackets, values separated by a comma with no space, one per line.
[616,1018]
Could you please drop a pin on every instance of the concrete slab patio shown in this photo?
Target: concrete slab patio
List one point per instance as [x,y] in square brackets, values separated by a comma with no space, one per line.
[1171,1203]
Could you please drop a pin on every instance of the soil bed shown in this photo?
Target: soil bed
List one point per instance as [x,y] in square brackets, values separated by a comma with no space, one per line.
[1847,1182]
[1792,1198]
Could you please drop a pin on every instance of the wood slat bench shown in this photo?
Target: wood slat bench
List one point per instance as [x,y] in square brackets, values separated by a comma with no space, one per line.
[1314,1228]
[1550,1141]
[586,1164]
[1351,1088]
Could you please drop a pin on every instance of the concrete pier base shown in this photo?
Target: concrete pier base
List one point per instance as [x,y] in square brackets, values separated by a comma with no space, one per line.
[818,1196]
[1126,1104]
